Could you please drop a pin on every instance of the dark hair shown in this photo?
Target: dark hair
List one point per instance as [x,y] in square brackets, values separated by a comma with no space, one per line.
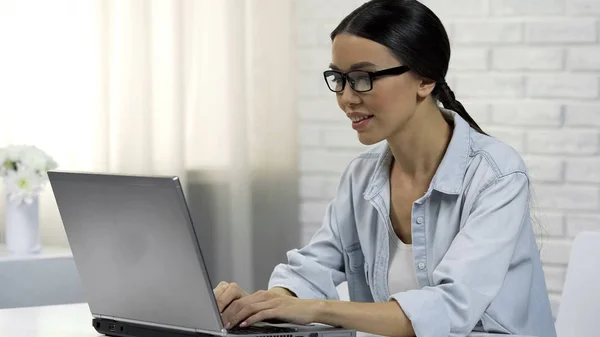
[415,35]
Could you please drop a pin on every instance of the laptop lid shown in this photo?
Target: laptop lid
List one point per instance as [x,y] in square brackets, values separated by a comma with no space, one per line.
[136,250]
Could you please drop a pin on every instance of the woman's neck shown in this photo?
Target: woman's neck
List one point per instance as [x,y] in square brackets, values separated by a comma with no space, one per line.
[419,148]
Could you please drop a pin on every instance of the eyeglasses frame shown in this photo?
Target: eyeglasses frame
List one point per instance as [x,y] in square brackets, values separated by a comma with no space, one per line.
[373,75]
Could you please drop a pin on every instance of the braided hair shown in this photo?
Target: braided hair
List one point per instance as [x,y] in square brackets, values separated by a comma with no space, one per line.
[446,96]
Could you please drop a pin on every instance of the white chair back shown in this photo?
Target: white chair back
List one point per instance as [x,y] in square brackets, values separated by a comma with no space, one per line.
[579,311]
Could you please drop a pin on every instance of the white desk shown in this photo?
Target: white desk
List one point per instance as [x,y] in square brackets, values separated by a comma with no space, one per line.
[49,278]
[47,252]
[72,320]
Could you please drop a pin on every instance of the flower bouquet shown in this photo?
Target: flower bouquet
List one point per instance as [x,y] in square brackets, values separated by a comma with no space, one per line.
[24,171]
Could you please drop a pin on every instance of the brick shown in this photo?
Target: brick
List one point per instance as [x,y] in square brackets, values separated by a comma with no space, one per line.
[489,85]
[469,58]
[562,86]
[567,197]
[309,135]
[583,170]
[555,278]
[480,111]
[582,114]
[311,34]
[563,141]
[548,224]
[527,58]
[487,31]
[314,59]
[534,113]
[459,8]
[527,7]
[556,251]
[582,223]
[331,10]
[513,137]
[323,161]
[583,58]
[311,187]
[312,212]
[585,7]
[323,109]
[312,85]
[342,137]
[544,168]
[308,231]
[561,31]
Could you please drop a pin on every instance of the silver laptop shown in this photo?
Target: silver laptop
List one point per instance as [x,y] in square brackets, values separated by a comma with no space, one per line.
[140,262]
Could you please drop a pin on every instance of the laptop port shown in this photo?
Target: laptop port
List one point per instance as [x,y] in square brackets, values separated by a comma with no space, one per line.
[111,327]
[313,334]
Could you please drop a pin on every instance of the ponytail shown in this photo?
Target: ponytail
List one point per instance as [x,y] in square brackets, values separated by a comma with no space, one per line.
[445,95]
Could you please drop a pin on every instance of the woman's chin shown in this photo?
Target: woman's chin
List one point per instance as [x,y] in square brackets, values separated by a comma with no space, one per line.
[367,138]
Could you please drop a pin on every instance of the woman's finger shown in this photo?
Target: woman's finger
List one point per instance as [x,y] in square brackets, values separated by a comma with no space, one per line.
[248,310]
[230,294]
[220,288]
[231,311]
[260,317]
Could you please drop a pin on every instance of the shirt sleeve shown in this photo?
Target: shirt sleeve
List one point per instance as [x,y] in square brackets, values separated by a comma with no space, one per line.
[472,271]
[318,268]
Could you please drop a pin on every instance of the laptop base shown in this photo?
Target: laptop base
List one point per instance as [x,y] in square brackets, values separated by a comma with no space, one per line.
[114,328]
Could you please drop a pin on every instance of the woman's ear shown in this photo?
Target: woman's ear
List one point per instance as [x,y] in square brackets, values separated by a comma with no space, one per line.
[425,88]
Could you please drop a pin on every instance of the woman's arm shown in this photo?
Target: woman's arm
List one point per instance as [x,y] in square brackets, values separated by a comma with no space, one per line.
[384,318]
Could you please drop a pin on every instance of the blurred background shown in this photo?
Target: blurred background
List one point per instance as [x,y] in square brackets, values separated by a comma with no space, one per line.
[229,95]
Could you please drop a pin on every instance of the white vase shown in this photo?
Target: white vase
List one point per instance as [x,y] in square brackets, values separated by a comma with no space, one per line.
[22,227]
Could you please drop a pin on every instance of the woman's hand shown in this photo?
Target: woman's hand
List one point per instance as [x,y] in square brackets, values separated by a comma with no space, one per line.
[268,305]
[225,293]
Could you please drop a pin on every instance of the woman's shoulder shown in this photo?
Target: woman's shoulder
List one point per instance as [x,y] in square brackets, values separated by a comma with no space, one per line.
[492,160]
[495,154]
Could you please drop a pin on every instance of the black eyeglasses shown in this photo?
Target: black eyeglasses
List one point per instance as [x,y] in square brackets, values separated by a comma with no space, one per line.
[360,80]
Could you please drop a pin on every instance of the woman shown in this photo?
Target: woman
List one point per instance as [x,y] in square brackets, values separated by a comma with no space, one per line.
[431,227]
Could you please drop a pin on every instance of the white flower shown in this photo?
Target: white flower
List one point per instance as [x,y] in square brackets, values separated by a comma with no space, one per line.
[23,185]
[24,169]
[15,151]
[35,159]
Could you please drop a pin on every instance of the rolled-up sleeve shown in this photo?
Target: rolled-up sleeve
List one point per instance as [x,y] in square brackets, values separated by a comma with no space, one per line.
[315,270]
[472,271]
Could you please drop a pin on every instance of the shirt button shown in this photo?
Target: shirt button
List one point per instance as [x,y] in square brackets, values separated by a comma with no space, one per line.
[420,220]
[421,265]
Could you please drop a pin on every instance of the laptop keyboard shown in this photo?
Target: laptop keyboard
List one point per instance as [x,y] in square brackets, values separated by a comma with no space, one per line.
[263,329]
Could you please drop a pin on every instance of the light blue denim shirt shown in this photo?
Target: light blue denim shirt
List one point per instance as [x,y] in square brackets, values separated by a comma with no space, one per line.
[475,254]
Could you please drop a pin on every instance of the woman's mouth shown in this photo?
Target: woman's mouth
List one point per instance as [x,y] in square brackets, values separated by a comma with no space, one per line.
[360,123]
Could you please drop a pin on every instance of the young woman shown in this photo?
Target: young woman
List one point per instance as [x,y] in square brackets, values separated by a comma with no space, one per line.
[431,227]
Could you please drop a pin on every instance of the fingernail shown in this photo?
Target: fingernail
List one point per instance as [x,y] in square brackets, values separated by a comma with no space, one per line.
[243,324]
[227,325]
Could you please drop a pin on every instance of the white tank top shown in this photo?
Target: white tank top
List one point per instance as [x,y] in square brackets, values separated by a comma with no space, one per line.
[401,273]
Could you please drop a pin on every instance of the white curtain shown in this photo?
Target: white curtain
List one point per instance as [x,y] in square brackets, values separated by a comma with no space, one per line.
[154,87]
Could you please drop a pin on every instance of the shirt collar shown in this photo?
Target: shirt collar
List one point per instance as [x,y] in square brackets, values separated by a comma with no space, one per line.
[451,171]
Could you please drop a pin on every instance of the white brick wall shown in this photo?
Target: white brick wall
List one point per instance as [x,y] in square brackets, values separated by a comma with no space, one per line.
[527,70]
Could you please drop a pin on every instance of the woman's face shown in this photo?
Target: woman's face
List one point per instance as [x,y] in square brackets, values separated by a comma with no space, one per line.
[391,103]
